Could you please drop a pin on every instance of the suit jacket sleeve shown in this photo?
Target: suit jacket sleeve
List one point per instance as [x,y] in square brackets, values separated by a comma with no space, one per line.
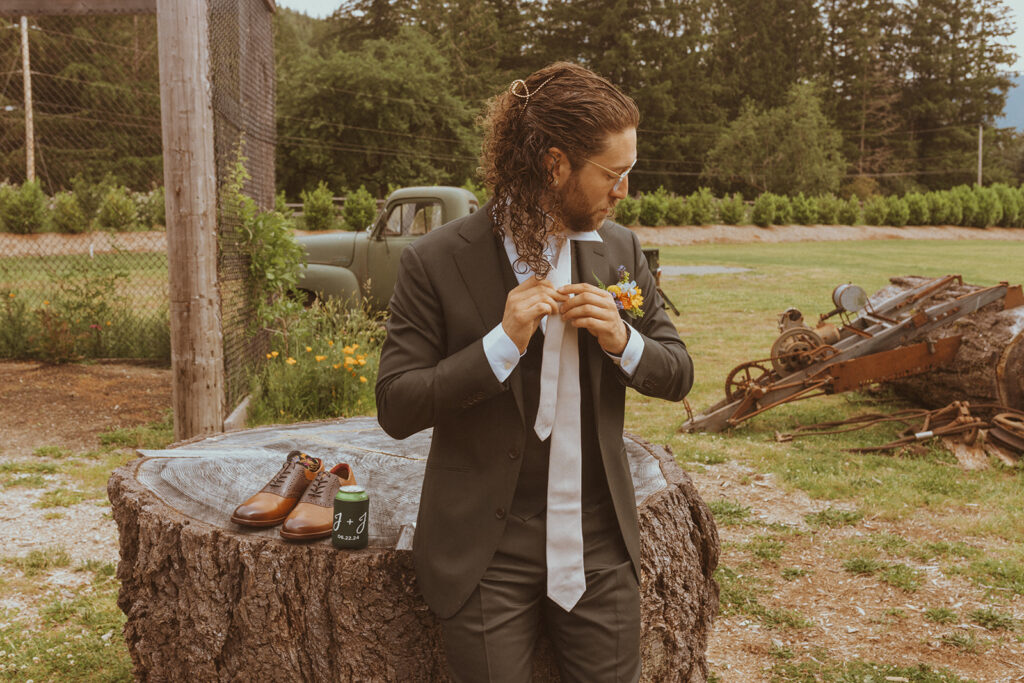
[422,379]
[665,369]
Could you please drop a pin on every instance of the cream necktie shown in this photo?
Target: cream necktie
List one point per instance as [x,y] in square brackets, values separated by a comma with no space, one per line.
[558,415]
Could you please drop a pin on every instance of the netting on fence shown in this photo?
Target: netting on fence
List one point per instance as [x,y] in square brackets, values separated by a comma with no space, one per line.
[242,75]
[83,252]
[83,264]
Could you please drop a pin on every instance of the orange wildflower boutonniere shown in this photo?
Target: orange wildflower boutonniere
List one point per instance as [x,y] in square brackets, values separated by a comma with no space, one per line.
[629,298]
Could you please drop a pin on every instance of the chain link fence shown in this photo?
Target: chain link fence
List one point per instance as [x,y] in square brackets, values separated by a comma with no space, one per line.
[242,75]
[83,263]
[83,252]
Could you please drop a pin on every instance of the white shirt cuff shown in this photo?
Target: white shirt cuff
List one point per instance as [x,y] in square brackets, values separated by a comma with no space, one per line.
[630,358]
[502,353]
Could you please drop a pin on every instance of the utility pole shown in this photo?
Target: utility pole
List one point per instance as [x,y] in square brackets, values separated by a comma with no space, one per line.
[979,155]
[30,136]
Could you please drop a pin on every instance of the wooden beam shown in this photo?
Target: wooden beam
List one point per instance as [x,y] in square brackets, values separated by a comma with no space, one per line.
[197,348]
[41,8]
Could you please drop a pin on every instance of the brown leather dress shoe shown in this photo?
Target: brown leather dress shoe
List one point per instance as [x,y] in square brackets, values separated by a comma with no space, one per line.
[272,504]
[314,515]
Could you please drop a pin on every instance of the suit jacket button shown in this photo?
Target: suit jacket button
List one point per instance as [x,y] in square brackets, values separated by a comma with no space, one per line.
[500,513]
[513,454]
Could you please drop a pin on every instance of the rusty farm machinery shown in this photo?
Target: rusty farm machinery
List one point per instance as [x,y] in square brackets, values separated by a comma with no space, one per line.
[858,343]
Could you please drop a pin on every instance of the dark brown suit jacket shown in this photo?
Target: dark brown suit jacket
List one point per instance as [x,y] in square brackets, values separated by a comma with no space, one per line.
[433,373]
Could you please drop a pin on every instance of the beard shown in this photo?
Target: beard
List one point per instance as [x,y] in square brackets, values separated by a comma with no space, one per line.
[573,209]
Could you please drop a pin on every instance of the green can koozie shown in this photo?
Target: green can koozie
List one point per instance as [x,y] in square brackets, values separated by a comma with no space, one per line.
[351,518]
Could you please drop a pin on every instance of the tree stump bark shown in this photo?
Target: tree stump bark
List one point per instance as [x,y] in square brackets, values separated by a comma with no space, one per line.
[209,600]
[988,367]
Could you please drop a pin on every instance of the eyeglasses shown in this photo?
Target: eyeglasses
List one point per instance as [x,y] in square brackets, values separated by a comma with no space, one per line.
[619,177]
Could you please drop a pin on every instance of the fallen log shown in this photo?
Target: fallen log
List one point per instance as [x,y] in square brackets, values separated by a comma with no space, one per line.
[989,365]
[209,600]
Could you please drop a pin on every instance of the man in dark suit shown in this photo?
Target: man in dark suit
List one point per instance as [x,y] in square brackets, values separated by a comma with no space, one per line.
[502,333]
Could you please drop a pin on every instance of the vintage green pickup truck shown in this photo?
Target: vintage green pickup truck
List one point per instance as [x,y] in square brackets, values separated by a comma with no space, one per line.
[361,267]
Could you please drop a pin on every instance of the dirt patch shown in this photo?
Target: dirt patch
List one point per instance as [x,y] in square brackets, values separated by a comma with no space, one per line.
[68,406]
[850,617]
[71,405]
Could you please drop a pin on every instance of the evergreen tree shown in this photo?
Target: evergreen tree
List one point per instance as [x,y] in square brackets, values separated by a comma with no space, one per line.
[785,150]
[957,55]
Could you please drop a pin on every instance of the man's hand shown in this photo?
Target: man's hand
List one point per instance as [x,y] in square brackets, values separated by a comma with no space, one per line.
[526,305]
[594,310]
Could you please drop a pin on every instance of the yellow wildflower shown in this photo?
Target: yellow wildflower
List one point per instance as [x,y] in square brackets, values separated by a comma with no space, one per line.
[320,358]
[330,342]
[363,380]
[269,356]
[47,303]
[274,354]
[614,289]
[348,349]
[336,366]
[11,295]
[355,346]
[349,361]
[108,323]
[291,361]
[309,349]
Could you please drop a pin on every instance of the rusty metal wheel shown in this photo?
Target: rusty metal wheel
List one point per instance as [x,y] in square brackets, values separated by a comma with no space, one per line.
[745,376]
[792,351]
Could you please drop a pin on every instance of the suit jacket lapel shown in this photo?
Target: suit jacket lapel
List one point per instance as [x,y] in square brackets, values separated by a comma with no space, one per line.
[481,269]
[593,266]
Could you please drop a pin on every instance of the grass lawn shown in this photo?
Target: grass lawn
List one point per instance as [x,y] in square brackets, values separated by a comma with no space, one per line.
[898,528]
[731,318]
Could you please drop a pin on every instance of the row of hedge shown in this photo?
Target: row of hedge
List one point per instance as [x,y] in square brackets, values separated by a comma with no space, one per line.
[105,205]
[319,212]
[980,207]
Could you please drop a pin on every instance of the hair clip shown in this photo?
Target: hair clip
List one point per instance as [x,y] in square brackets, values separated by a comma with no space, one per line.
[526,94]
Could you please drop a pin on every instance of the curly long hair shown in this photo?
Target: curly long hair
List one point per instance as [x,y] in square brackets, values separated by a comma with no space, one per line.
[562,105]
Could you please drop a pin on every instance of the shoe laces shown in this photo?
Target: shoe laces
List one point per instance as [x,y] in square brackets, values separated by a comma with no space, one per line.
[318,485]
[280,478]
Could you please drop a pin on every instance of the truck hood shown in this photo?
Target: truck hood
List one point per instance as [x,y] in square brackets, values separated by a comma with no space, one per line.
[334,249]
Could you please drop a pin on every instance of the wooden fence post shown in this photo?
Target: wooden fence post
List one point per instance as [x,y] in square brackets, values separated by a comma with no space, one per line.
[197,348]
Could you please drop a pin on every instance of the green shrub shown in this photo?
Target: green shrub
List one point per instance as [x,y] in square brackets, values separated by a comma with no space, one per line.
[653,206]
[897,213]
[849,212]
[702,207]
[678,211]
[1011,202]
[783,210]
[939,209]
[67,215]
[627,211]
[970,216]
[318,208]
[732,210]
[763,213]
[805,209]
[281,205]
[7,194]
[876,210]
[828,209]
[152,209]
[917,209]
[25,209]
[360,209]
[89,194]
[956,207]
[990,208]
[118,211]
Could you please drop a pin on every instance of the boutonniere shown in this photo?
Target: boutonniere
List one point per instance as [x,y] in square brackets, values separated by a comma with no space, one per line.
[628,297]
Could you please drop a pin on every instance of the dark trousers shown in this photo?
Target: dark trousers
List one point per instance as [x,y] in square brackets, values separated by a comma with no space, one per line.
[492,637]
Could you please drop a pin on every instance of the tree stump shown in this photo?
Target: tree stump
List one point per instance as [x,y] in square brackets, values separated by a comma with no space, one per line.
[209,600]
[988,367]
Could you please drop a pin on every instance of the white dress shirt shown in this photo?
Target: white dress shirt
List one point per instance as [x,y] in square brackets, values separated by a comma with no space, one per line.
[503,354]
